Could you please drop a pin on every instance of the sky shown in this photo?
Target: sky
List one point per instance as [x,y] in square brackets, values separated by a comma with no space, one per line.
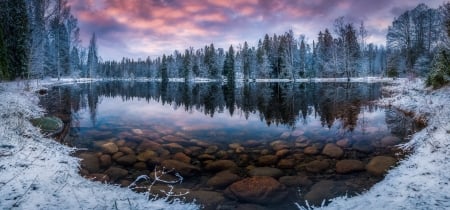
[141,28]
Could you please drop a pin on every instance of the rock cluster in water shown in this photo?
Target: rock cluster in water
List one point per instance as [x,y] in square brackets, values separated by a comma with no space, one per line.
[253,172]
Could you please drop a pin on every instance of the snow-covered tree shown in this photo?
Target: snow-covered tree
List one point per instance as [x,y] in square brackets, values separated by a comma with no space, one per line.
[92,57]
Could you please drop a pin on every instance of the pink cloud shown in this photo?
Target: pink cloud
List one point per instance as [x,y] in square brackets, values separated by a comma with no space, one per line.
[178,24]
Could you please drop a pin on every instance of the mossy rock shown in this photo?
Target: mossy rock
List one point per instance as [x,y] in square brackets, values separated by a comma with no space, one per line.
[51,125]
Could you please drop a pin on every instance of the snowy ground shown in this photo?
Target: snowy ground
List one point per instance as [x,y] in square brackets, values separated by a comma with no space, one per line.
[422,181]
[38,173]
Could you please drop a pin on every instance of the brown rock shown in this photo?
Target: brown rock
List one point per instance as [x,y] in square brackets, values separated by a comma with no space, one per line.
[200,143]
[211,149]
[348,166]
[125,183]
[146,155]
[279,145]
[182,157]
[389,141]
[311,150]
[286,163]
[206,157]
[109,148]
[332,150]
[282,153]
[116,173]
[126,150]
[343,143]
[183,168]
[120,143]
[220,165]
[117,155]
[90,162]
[140,166]
[148,145]
[316,166]
[105,160]
[222,179]
[234,146]
[174,147]
[258,189]
[267,160]
[222,154]
[266,171]
[379,165]
[295,181]
[127,160]
[324,190]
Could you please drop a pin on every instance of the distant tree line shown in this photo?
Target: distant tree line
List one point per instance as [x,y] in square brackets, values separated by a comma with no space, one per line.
[40,38]
[275,57]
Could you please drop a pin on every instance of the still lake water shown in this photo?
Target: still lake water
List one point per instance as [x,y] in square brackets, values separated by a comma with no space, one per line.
[221,138]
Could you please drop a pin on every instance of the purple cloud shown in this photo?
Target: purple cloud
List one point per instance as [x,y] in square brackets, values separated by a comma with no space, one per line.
[134,28]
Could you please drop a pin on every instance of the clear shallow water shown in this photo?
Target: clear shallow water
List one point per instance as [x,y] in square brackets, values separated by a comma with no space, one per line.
[276,129]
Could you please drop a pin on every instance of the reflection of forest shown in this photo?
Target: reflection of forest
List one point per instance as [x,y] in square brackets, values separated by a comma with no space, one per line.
[276,103]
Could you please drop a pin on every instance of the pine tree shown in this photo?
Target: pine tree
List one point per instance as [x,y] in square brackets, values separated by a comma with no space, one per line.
[92,59]
[164,71]
[228,68]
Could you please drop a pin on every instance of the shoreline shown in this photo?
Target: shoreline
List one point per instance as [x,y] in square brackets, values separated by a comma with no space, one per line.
[421,180]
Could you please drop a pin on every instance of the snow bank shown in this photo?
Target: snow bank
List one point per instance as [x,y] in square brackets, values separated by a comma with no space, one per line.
[39,173]
[421,181]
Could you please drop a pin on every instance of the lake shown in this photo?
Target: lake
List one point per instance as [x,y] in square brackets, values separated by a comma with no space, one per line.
[249,146]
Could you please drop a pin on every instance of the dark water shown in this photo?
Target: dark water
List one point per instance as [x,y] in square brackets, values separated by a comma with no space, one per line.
[301,134]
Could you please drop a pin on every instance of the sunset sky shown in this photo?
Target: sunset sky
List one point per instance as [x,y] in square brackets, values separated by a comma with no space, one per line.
[141,28]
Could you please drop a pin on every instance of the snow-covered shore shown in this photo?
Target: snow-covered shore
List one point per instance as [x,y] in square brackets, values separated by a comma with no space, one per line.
[421,181]
[39,173]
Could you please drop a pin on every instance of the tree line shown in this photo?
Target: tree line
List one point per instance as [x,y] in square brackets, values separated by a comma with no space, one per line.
[275,57]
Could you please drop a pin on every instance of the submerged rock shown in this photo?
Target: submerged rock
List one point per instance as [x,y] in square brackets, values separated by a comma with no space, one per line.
[379,165]
[332,150]
[389,141]
[109,148]
[51,125]
[295,181]
[90,162]
[127,160]
[116,173]
[311,150]
[220,165]
[316,166]
[348,166]
[286,163]
[258,189]
[267,160]
[222,179]
[266,171]
[324,190]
